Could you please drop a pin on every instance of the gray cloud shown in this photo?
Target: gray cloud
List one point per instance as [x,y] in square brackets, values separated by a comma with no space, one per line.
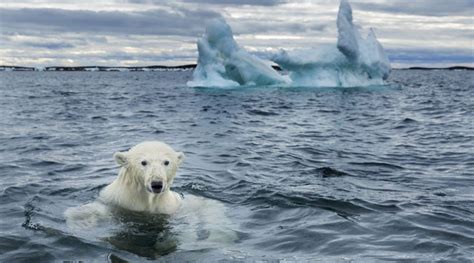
[263,27]
[49,45]
[430,56]
[239,2]
[107,59]
[421,7]
[215,2]
[183,22]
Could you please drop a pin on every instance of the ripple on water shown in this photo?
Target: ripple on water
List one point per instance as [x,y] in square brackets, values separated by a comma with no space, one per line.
[363,174]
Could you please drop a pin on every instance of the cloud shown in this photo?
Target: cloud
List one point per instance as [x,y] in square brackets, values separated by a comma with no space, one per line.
[239,2]
[262,27]
[430,56]
[49,45]
[181,22]
[421,7]
[214,2]
[143,32]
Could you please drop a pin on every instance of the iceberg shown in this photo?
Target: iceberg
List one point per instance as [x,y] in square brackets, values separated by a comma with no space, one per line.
[353,61]
[222,63]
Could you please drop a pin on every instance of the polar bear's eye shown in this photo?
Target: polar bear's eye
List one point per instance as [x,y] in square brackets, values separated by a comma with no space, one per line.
[166,163]
[144,163]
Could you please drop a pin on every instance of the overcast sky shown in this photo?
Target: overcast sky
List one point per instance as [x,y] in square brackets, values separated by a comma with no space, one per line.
[151,32]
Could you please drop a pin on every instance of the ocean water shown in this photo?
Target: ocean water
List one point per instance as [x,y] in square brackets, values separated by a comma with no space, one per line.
[307,174]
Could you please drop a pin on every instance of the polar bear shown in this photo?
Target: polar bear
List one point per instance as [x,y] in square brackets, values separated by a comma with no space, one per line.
[143,184]
[145,178]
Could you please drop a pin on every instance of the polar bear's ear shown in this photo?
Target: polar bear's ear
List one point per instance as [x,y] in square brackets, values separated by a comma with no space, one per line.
[121,158]
[180,156]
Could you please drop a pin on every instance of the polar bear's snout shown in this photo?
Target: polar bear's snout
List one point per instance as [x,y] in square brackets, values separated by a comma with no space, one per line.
[156,176]
[156,187]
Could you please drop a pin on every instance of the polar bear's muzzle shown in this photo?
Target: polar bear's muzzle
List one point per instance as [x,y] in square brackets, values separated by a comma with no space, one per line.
[156,187]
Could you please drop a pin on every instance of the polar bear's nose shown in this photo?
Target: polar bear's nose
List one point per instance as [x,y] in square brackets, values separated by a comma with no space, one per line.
[156,186]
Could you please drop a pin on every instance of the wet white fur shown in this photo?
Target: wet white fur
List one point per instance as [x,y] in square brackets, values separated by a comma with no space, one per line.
[129,191]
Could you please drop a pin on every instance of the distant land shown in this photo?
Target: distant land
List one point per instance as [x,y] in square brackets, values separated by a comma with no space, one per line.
[98,68]
[446,68]
[168,68]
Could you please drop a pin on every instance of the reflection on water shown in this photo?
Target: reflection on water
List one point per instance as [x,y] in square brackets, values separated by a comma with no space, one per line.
[146,235]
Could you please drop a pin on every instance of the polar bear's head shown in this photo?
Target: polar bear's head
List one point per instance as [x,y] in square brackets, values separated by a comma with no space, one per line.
[151,164]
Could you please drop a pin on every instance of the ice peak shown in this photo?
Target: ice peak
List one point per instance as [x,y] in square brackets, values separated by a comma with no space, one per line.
[348,35]
[221,62]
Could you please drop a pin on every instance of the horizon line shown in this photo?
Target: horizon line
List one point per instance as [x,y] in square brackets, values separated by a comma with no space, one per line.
[183,66]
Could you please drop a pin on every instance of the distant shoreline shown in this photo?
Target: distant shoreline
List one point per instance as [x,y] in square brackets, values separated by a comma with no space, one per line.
[99,68]
[168,68]
[437,68]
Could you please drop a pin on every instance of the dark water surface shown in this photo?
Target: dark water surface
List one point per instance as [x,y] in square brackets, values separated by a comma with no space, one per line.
[315,174]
